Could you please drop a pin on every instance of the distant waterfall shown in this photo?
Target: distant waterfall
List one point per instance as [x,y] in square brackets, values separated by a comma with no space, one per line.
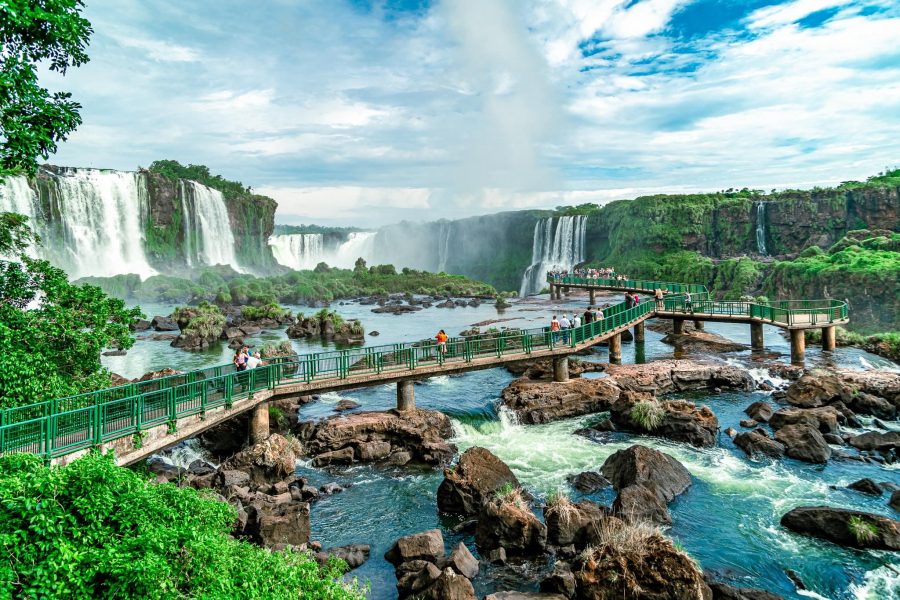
[298,251]
[92,223]
[558,244]
[303,251]
[444,245]
[761,227]
[208,239]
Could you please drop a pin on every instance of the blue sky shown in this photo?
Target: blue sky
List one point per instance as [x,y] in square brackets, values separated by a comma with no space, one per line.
[366,112]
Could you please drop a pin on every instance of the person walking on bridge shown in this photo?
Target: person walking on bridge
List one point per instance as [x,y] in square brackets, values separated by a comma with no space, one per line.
[442,338]
[629,301]
[588,316]
[565,325]
[554,328]
[658,296]
[688,302]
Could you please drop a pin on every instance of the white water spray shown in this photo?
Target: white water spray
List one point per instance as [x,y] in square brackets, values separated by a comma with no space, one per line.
[301,251]
[207,229]
[558,244]
[761,228]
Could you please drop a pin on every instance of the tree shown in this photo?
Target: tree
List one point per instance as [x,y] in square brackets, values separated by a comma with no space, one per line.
[32,119]
[51,331]
[359,267]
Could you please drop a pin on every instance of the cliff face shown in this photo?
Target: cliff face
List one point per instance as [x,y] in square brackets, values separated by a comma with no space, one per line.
[252,221]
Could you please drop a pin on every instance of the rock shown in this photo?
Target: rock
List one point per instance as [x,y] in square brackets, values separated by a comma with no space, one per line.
[542,402]
[231,478]
[286,523]
[413,578]
[140,325]
[649,567]
[231,333]
[396,309]
[543,368]
[723,591]
[115,353]
[474,480]
[845,527]
[269,461]
[748,423]
[833,439]
[398,459]
[421,433]
[866,486]
[825,419]
[731,432]
[606,425]
[804,443]
[588,482]
[226,439]
[352,554]
[895,500]
[524,596]
[462,561]
[571,523]
[876,440]
[346,404]
[681,421]
[869,404]
[497,556]
[331,488]
[702,342]
[160,323]
[667,376]
[815,389]
[642,504]
[560,581]
[150,375]
[450,586]
[641,465]
[428,546]
[375,333]
[371,451]
[344,456]
[507,522]
[756,444]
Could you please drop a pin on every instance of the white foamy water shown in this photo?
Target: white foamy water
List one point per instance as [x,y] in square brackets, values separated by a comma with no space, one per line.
[879,364]
[558,244]
[303,251]
[207,228]
[882,583]
[185,453]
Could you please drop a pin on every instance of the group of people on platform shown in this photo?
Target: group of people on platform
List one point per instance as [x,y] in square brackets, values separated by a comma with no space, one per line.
[559,328]
[584,273]
[243,359]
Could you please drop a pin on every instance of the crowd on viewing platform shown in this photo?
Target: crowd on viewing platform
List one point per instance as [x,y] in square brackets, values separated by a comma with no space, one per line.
[603,273]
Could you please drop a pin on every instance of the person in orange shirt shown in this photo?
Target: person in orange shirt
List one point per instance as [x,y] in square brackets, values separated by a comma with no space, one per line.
[442,338]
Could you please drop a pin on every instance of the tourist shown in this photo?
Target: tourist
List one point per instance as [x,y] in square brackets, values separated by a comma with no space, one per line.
[588,316]
[658,296]
[240,358]
[688,303]
[554,328]
[565,325]
[635,300]
[629,301]
[598,314]
[442,338]
[576,321]
[252,361]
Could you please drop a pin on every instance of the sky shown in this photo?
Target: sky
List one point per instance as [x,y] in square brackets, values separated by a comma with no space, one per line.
[367,112]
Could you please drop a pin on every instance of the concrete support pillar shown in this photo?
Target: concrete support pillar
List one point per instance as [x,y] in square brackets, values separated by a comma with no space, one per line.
[698,325]
[406,395]
[259,423]
[639,332]
[593,295]
[678,326]
[798,346]
[566,290]
[561,368]
[828,339]
[615,348]
[756,336]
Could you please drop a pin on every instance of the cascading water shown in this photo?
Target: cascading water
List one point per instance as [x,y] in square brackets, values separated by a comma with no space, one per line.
[761,228]
[444,245]
[301,251]
[97,223]
[558,244]
[207,230]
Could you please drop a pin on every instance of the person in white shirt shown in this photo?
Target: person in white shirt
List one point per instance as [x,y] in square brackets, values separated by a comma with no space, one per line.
[565,324]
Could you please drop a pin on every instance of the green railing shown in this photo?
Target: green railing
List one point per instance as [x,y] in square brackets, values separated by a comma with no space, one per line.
[669,287]
[65,425]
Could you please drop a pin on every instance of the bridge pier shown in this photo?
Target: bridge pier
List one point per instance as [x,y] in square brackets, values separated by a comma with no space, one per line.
[798,346]
[678,326]
[698,325]
[561,369]
[639,332]
[829,341]
[593,297]
[259,423]
[406,395]
[566,290]
[615,348]
[756,336]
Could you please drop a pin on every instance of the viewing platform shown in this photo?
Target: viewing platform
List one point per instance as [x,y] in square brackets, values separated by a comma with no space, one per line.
[143,418]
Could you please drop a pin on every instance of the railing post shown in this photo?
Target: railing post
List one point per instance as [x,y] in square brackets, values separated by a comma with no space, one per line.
[98,424]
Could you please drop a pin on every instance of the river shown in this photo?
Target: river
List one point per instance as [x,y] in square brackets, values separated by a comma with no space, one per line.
[728,520]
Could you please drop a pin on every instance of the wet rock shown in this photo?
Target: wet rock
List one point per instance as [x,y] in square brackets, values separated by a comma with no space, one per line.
[642,504]
[331,488]
[542,402]
[396,309]
[845,527]
[226,438]
[427,546]
[160,323]
[702,342]
[895,500]
[833,439]
[478,475]
[866,486]
[421,433]
[650,567]
[756,444]
[462,561]
[588,482]
[140,325]
[269,461]
[731,432]
[115,353]
[868,404]
[523,596]
[825,419]
[559,581]
[667,376]
[346,404]
[644,466]
[723,591]
[682,421]
[507,522]
[355,555]
[876,440]
[748,423]
[606,425]
[804,443]
[816,388]
[571,523]
[283,523]
[497,556]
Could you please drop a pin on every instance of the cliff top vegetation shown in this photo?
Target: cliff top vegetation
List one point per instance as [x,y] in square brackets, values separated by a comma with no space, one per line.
[295,229]
[173,169]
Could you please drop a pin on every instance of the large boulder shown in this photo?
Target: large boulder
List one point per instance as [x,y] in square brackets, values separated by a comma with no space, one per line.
[681,421]
[355,555]
[423,572]
[392,436]
[702,342]
[524,596]
[161,323]
[804,442]
[817,388]
[876,440]
[760,411]
[723,591]
[644,466]
[869,404]
[544,401]
[271,460]
[474,480]
[506,521]
[428,546]
[845,527]
[756,443]
[634,561]
[642,503]
[666,376]
[825,418]
[570,524]
[273,524]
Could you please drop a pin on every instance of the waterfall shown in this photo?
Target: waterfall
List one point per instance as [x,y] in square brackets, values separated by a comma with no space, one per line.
[94,220]
[761,228]
[298,251]
[444,245]
[558,244]
[208,239]
[303,251]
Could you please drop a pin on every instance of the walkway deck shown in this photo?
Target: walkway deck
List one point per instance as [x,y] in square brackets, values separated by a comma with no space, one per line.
[140,419]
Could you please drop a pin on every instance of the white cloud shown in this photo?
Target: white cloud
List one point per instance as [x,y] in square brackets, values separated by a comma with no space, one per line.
[159,50]
[782,14]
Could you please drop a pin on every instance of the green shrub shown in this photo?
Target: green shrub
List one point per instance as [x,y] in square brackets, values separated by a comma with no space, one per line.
[648,414]
[95,530]
[862,529]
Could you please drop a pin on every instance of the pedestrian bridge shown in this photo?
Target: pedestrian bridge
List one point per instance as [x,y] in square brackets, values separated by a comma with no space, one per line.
[140,419]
